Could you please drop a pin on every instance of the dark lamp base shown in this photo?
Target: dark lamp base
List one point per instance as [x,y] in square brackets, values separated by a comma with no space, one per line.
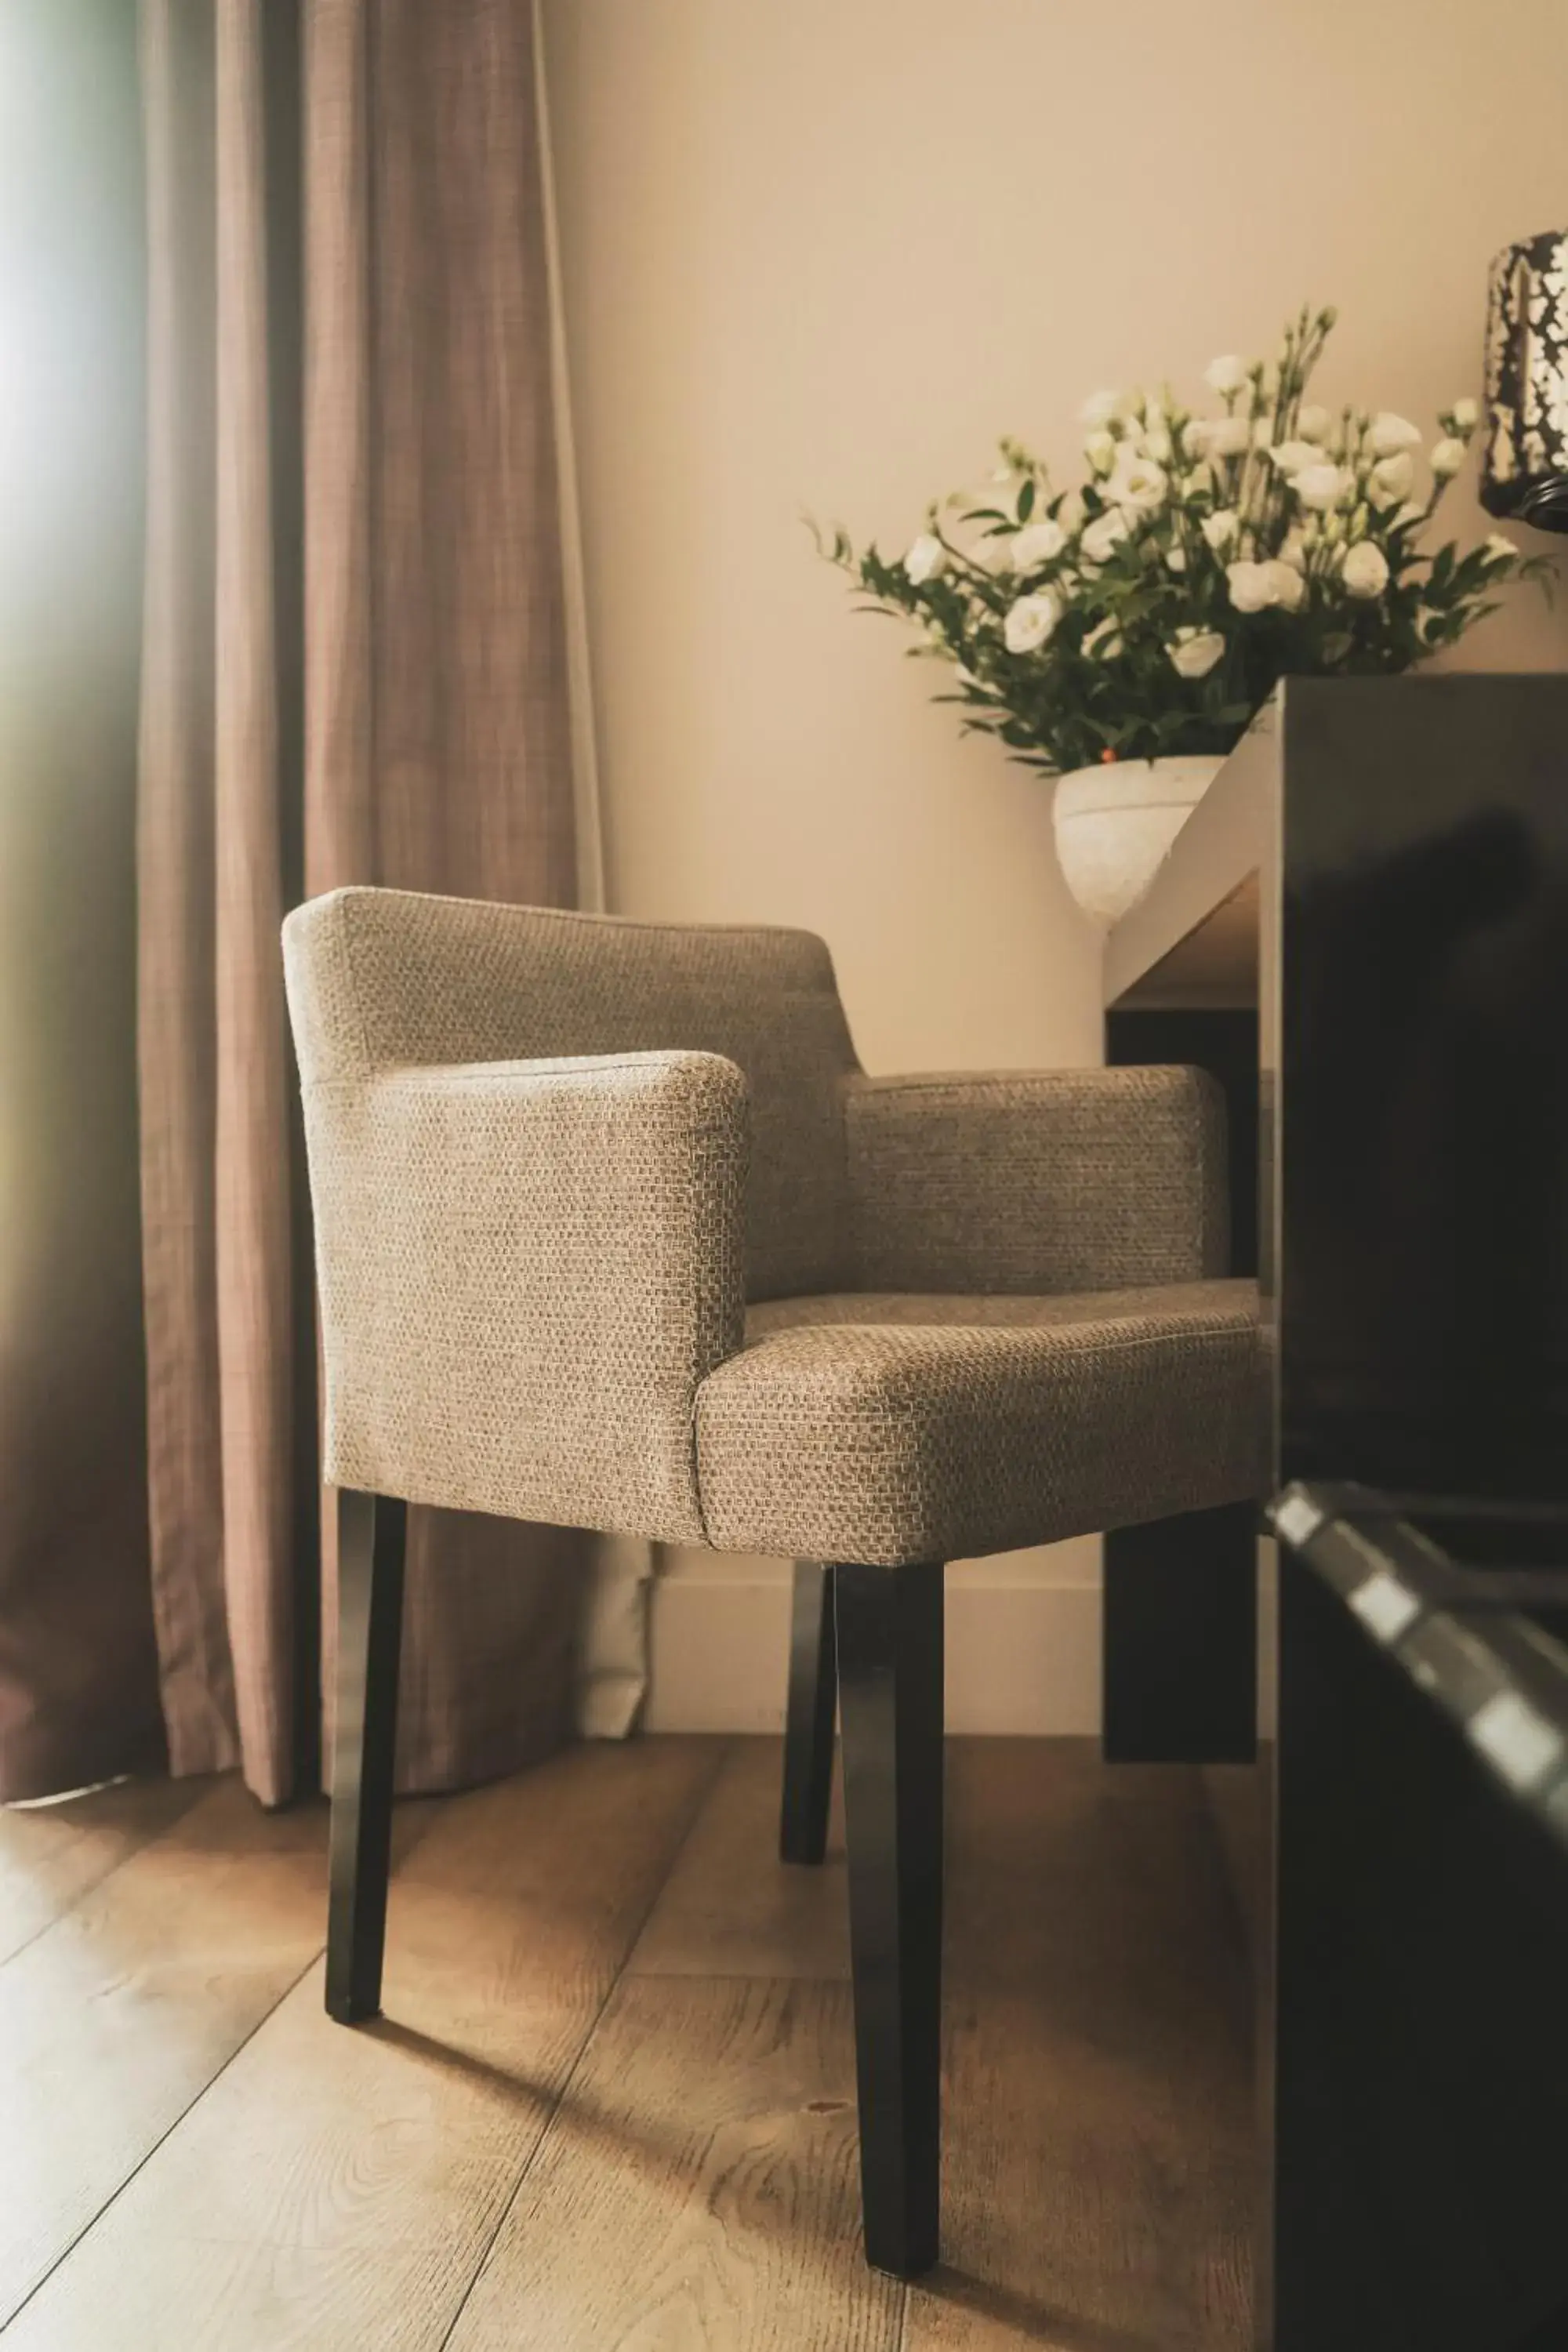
[1545,503]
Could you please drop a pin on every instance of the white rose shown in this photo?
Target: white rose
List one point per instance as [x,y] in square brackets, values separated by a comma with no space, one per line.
[1194,652]
[1156,443]
[1030,623]
[1291,456]
[1100,450]
[1499,546]
[1314,424]
[1228,436]
[1466,413]
[1196,437]
[1220,528]
[1447,457]
[1105,639]
[1139,484]
[1286,586]
[1069,514]
[926,559]
[1175,558]
[1100,408]
[1391,477]
[1251,590]
[1389,433]
[1037,542]
[1320,485]
[1364,570]
[1227,374]
[1104,535]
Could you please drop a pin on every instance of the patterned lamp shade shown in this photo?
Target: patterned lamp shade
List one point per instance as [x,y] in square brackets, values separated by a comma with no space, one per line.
[1525,467]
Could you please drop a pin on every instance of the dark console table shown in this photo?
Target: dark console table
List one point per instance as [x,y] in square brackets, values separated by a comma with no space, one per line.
[1419,2187]
[1364,930]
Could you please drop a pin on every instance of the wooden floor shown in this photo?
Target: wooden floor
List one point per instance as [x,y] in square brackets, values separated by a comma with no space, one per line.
[610,2107]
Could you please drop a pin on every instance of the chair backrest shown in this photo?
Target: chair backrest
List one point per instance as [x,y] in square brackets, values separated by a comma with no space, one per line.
[380,979]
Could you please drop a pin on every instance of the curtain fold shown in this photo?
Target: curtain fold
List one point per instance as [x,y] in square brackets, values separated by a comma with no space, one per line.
[256,1217]
[432,751]
[177,1041]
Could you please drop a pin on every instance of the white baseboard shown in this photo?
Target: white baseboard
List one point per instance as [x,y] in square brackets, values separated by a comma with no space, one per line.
[1021,1657]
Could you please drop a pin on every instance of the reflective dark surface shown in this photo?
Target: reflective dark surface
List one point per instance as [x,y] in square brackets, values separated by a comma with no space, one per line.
[1424,1105]
[1421,2154]
[1414,1017]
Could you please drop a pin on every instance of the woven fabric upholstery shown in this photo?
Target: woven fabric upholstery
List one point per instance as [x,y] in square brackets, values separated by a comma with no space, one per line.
[538,1228]
[993,1309]
[941,1428]
[379,979]
[1082,1179]
[525,1270]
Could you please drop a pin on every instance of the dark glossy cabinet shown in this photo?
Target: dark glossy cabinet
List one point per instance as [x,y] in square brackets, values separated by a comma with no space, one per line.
[1362,931]
[1414,1004]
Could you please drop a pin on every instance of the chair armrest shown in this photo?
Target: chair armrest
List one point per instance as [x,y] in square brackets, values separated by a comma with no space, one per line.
[1078,1180]
[526,1269]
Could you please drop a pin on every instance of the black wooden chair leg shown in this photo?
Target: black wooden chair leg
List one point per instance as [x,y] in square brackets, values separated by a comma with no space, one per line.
[371,1534]
[889,1629]
[808,1722]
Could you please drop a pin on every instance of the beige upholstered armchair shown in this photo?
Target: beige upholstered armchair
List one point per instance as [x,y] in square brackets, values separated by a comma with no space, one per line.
[613,1232]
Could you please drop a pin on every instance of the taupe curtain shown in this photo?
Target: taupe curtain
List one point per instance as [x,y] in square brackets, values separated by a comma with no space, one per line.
[354,670]
[78,1692]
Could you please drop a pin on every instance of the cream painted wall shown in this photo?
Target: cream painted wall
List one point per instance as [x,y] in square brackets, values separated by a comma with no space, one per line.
[819,254]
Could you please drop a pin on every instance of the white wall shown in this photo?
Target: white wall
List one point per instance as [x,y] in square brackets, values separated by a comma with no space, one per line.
[819,254]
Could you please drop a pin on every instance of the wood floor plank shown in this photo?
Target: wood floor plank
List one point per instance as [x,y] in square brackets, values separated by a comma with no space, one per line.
[731,1907]
[698,2190]
[337,2190]
[670,2159]
[1237,1802]
[51,1855]
[215,2293]
[1098,2175]
[115,2018]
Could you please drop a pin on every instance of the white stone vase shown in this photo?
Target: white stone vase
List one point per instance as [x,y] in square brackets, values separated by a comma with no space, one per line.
[1115,825]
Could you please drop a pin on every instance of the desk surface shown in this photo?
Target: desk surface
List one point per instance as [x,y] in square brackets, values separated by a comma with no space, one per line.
[1191,943]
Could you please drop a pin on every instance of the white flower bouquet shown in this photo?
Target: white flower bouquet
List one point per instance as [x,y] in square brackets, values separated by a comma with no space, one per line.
[1147,613]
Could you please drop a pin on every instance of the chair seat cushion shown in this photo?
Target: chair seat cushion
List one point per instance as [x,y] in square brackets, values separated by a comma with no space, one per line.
[889,1428]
